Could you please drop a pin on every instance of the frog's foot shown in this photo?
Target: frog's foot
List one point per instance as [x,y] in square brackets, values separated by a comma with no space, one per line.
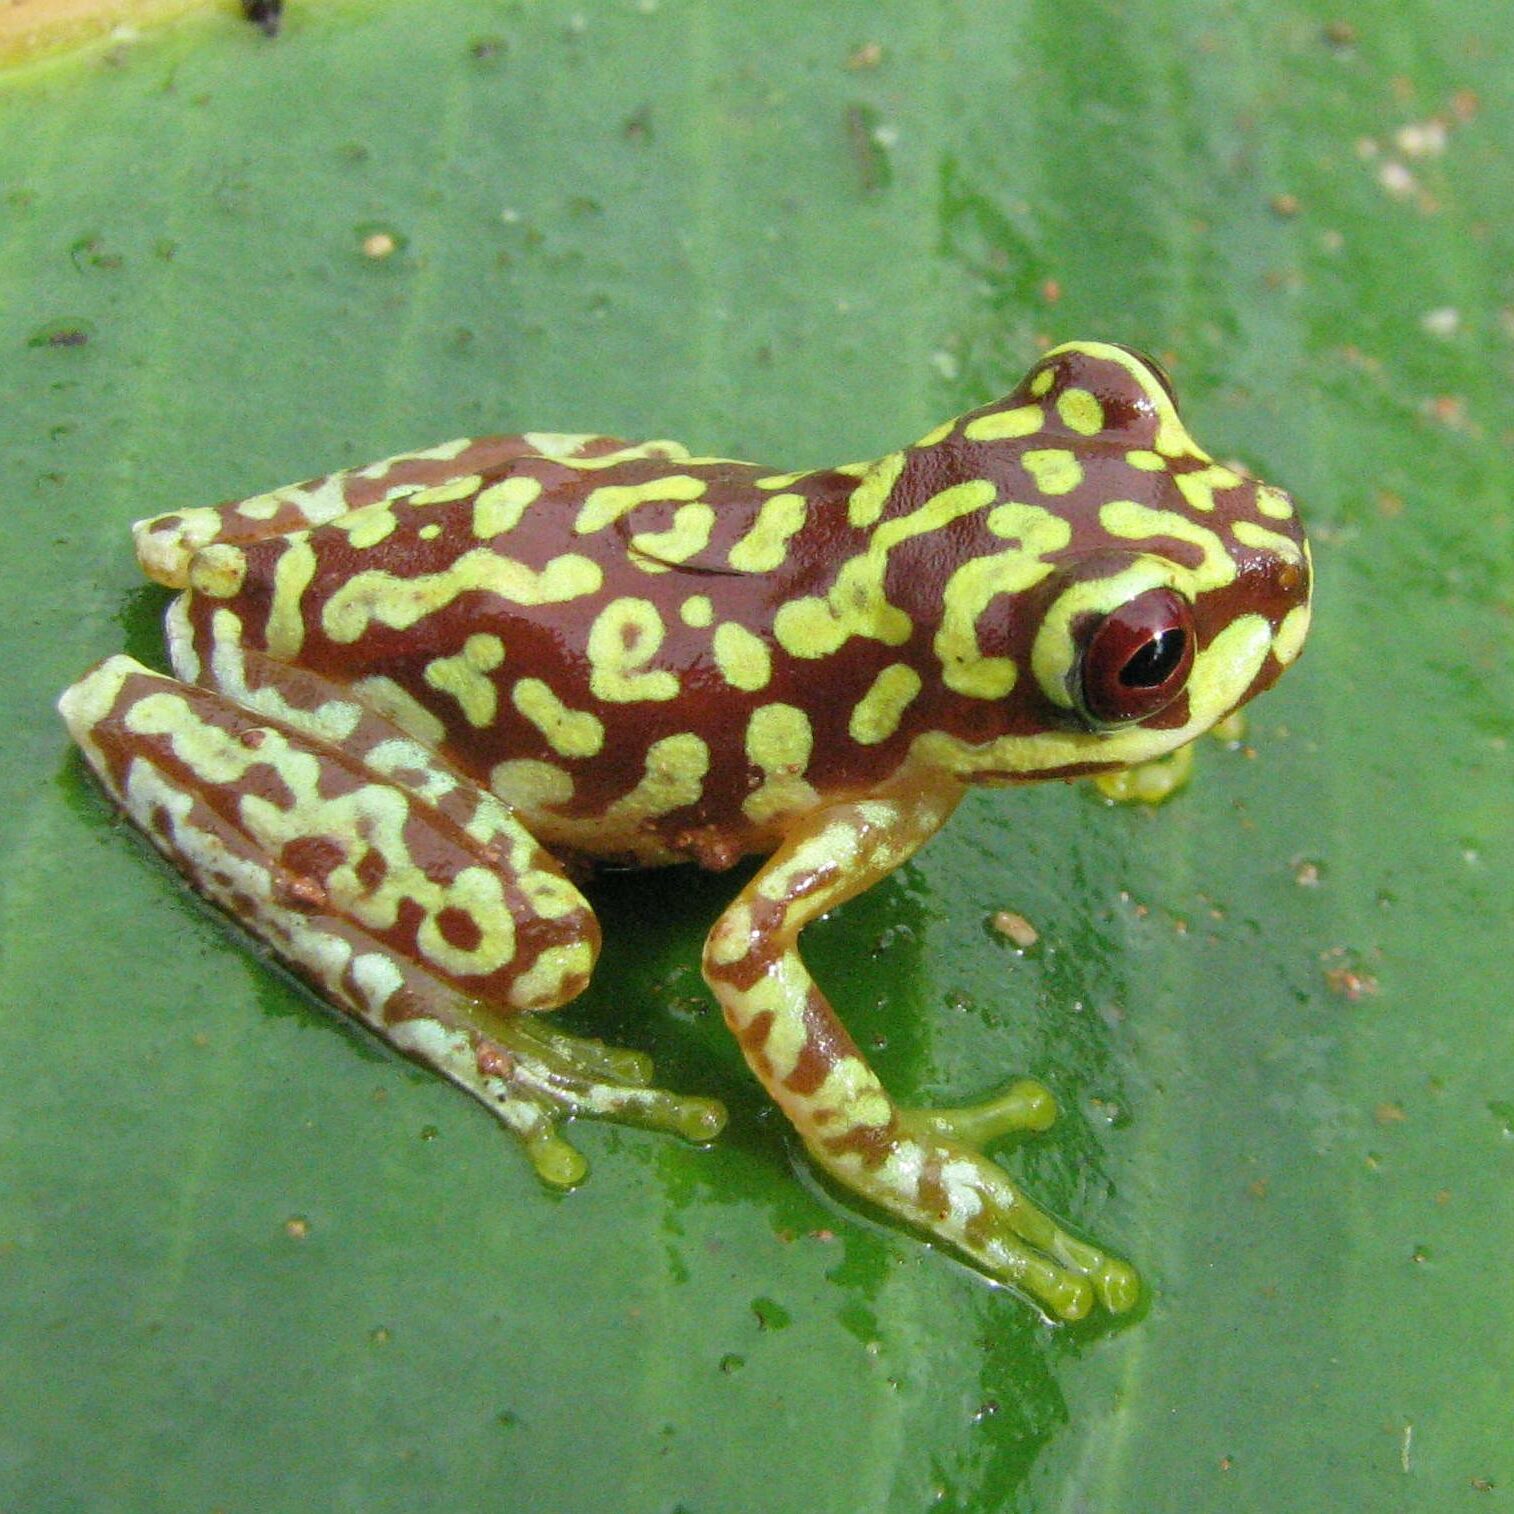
[406,895]
[934,1174]
[533,1076]
[1148,782]
[1018,1240]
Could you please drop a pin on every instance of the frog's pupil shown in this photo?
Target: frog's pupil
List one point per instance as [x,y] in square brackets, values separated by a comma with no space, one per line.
[1154,663]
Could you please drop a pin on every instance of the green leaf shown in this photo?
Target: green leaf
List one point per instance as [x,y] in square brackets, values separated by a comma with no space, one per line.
[250,1260]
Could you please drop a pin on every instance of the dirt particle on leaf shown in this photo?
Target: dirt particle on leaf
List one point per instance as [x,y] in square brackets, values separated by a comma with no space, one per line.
[1014,927]
[1422,139]
[869,55]
[1397,179]
[1351,983]
[379,244]
[297,1227]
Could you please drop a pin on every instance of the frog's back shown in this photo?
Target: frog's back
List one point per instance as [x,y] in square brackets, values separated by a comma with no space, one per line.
[591,637]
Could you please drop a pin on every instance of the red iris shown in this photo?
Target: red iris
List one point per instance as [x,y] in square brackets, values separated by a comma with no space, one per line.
[1138,658]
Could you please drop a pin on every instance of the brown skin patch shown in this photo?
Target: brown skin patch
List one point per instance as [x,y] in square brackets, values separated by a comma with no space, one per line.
[458,928]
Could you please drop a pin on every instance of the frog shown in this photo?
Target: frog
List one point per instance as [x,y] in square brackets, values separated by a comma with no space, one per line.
[415,705]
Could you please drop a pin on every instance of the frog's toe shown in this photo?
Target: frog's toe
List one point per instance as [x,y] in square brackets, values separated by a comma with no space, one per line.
[1065,1275]
[940,1179]
[1148,782]
[1026,1105]
[534,1077]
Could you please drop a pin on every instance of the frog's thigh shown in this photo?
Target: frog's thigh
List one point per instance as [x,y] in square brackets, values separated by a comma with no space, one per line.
[166,543]
[408,896]
[921,1167]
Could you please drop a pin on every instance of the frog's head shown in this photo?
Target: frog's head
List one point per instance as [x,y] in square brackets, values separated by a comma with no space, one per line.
[1125,594]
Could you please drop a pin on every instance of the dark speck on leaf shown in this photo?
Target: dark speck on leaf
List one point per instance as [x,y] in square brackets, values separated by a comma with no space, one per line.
[267,15]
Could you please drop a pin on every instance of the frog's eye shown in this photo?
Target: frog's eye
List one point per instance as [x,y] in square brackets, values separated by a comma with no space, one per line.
[1137,659]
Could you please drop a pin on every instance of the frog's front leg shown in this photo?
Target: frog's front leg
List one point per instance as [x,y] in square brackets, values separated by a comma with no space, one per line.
[923,1166]
[405,894]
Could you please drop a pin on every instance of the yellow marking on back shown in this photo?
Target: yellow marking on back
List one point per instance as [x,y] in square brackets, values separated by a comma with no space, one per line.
[430,532]
[880,710]
[465,677]
[939,510]
[570,733]
[625,636]
[765,545]
[499,507]
[285,630]
[689,533]
[743,659]
[1147,461]
[1043,381]
[1054,469]
[1006,425]
[562,446]
[935,435]
[779,741]
[530,786]
[976,583]
[609,502]
[672,779]
[779,480]
[697,611]
[869,497]
[368,525]
[400,602]
[444,494]
[1080,411]
[1199,487]
[855,604]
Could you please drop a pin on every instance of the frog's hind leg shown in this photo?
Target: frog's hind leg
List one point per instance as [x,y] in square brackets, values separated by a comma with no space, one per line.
[924,1166]
[166,544]
[408,896]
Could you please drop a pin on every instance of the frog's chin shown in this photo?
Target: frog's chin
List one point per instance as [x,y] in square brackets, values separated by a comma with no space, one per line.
[1225,674]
